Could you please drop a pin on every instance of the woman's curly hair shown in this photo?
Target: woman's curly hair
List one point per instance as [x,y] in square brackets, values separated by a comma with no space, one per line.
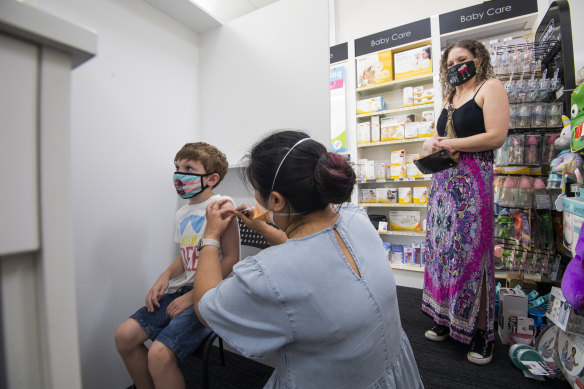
[484,67]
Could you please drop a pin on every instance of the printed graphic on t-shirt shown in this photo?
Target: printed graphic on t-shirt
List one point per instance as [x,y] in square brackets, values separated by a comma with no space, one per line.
[191,230]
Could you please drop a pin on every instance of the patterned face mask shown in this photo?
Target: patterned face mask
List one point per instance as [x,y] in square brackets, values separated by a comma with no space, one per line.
[461,73]
[189,185]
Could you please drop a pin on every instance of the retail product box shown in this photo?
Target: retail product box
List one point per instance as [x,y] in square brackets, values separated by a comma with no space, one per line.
[396,172]
[418,91]
[427,97]
[412,62]
[392,129]
[411,130]
[408,256]
[374,104]
[363,133]
[412,171]
[428,116]
[404,220]
[380,170]
[382,227]
[512,304]
[375,129]
[410,157]
[381,195]
[417,249]
[408,93]
[420,194]
[404,195]
[368,196]
[373,69]
[426,129]
[369,169]
[573,217]
[563,315]
[398,157]
[391,195]
[397,254]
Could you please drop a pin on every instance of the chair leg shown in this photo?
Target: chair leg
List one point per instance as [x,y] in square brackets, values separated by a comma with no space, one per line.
[221,351]
[206,349]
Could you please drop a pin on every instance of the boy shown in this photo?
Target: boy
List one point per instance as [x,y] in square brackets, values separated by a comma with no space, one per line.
[168,319]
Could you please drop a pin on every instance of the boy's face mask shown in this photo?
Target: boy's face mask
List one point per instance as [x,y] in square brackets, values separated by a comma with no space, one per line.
[189,185]
[460,73]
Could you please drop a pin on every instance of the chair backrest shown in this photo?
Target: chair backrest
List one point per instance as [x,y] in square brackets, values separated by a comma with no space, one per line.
[250,237]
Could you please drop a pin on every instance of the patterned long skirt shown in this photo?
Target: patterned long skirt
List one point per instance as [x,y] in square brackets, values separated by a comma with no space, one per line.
[459,246]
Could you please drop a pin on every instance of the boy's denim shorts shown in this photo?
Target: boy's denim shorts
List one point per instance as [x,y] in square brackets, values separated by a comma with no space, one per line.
[183,334]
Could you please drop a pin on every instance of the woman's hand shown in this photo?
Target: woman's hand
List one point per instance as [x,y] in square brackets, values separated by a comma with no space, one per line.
[435,143]
[179,304]
[219,215]
[245,212]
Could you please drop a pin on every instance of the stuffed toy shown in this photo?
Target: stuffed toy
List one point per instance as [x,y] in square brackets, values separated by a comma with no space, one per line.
[573,279]
[571,162]
[577,111]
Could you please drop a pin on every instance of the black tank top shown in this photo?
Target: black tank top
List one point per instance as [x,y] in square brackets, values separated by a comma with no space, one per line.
[468,119]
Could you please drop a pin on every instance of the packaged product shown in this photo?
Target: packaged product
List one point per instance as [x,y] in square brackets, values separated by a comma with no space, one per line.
[369,169]
[396,172]
[381,195]
[428,116]
[426,129]
[397,254]
[410,130]
[420,194]
[427,96]
[374,68]
[380,170]
[382,227]
[412,62]
[410,157]
[404,195]
[408,256]
[392,129]
[363,133]
[374,104]
[404,220]
[375,129]
[408,93]
[391,195]
[418,91]
[417,254]
[398,157]
[368,196]
[412,171]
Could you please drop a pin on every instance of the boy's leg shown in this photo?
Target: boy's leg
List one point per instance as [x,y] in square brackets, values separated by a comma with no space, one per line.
[130,338]
[178,340]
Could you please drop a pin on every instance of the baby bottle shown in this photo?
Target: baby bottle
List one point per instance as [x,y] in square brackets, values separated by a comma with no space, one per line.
[524,193]
[522,119]
[516,150]
[538,115]
[508,193]
[531,150]
[549,148]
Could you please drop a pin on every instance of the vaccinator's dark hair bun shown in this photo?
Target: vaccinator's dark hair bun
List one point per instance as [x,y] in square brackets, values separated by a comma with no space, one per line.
[310,178]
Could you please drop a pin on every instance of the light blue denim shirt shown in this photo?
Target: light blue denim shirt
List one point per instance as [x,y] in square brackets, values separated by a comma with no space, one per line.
[328,327]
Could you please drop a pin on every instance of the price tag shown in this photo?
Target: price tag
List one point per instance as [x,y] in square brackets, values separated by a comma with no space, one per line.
[559,93]
[381,180]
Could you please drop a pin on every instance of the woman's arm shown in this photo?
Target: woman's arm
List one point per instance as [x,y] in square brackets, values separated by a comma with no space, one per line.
[496,116]
[273,235]
[230,248]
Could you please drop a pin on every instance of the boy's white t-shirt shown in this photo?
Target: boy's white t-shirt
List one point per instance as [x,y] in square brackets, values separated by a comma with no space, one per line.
[190,228]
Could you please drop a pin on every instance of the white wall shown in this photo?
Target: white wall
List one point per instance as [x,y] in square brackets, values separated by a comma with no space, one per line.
[264,71]
[134,106]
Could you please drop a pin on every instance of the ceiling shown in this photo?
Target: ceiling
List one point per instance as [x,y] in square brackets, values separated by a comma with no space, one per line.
[227,10]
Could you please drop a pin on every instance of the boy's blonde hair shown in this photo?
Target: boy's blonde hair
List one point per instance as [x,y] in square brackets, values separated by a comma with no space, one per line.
[213,160]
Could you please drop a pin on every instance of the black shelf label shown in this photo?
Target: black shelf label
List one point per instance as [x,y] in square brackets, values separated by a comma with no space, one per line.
[339,53]
[397,36]
[485,13]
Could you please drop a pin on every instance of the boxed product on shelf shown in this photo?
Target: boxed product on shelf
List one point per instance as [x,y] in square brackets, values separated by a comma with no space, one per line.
[396,172]
[408,256]
[426,129]
[410,157]
[369,169]
[428,116]
[363,133]
[412,62]
[375,129]
[573,218]
[368,196]
[563,315]
[391,195]
[410,130]
[418,91]
[512,304]
[412,171]
[408,93]
[374,68]
[404,195]
[371,105]
[397,254]
[398,157]
[419,194]
[427,97]
[417,254]
[381,196]
[404,220]
[380,167]
[392,129]
[382,227]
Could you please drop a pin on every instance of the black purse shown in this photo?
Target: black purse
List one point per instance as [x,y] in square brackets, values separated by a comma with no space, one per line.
[441,159]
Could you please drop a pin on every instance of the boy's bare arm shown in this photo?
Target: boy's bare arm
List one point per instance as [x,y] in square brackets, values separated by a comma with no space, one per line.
[230,248]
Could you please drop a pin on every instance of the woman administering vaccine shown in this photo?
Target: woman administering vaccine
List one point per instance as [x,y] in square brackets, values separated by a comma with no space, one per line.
[324,301]
[459,277]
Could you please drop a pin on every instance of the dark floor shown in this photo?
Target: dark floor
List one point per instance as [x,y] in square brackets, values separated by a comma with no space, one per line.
[441,365]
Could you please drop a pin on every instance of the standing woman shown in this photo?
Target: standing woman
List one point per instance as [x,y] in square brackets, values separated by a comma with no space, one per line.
[459,280]
[324,301]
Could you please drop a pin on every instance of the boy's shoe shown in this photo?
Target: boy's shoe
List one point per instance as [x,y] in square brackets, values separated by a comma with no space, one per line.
[481,351]
[437,333]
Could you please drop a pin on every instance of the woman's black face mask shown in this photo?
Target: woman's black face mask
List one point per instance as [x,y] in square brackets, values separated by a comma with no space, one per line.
[460,73]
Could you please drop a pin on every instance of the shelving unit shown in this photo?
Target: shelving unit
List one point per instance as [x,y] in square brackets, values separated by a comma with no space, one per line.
[397,84]
[392,205]
[393,142]
[421,107]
